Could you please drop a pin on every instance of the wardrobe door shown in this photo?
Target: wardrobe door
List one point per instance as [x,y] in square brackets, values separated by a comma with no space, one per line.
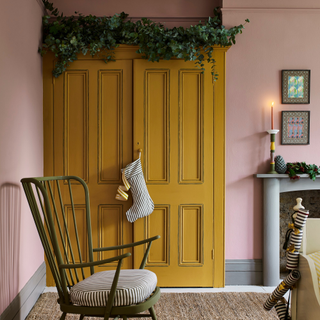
[173,125]
[92,139]
[96,118]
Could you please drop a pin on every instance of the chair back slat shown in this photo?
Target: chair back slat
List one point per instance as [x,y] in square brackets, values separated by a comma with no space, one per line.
[47,229]
[76,229]
[44,216]
[49,255]
[43,211]
[70,280]
[67,247]
[29,191]
[60,208]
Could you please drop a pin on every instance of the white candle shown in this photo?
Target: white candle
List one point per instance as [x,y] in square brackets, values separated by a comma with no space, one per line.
[272,120]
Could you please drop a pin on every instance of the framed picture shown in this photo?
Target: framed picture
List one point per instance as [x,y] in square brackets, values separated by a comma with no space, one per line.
[295,86]
[295,127]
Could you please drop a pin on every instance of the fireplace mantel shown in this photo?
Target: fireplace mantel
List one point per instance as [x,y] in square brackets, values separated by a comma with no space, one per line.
[273,185]
[288,185]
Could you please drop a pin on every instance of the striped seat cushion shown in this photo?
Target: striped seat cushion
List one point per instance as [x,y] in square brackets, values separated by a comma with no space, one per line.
[134,286]
[316,259]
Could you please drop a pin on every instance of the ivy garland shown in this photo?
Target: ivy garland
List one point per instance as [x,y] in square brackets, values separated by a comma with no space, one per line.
[295,168]
[68,36]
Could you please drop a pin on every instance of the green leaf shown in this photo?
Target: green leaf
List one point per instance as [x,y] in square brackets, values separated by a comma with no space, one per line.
[302,168]
[68,36]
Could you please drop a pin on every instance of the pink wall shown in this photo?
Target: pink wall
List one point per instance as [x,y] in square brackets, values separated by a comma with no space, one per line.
[171,13]
[281,35]
[21,142]
[140,8]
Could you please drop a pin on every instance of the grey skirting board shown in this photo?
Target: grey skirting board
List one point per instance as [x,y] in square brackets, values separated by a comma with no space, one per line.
[20,307]
[244,272]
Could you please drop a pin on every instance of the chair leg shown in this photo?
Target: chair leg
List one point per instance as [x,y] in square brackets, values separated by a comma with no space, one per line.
[106,316]
[152,313]
[63,316]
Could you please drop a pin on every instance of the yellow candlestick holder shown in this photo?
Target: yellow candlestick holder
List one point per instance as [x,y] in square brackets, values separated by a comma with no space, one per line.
[272,133]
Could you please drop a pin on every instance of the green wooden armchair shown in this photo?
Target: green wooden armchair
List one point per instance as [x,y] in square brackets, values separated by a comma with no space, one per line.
[107,294]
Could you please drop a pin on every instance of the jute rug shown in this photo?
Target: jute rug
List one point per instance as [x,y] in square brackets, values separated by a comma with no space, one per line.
[176,306]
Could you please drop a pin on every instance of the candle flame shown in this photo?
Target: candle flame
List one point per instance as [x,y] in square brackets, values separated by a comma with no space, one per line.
[272,104]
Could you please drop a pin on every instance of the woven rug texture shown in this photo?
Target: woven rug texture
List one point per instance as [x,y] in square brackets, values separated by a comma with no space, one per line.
[177,306]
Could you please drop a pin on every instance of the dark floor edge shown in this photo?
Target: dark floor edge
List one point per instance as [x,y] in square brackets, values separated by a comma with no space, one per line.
[20,307]
[246,272]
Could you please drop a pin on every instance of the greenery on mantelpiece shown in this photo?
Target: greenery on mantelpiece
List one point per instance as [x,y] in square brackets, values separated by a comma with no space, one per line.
[68,36]
[295,168]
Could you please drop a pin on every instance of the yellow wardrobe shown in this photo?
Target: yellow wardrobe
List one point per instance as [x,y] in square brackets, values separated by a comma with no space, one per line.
[96,118]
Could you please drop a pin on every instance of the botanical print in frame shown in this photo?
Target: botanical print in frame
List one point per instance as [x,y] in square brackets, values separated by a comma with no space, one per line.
[295,127]
[295,86]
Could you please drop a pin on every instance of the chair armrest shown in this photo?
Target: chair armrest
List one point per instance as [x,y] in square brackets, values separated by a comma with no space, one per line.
[94,263]
[124,246]
[134,244]
[307,264]
[305,298]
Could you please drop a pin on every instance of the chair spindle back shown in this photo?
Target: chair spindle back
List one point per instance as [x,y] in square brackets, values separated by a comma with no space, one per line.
[64,226]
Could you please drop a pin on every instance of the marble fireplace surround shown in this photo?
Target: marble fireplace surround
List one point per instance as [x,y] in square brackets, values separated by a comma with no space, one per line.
[273,185]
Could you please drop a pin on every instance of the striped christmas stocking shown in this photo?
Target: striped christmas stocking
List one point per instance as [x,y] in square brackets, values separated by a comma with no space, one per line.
[133,178]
